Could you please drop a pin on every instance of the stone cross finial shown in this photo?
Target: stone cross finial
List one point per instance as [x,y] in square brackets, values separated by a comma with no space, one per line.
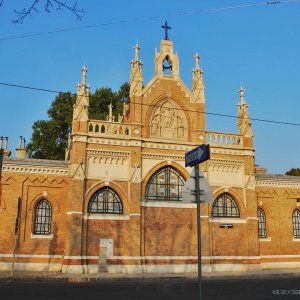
[166,28]
[242,96]
[84,71]
[136,52]
[197,59]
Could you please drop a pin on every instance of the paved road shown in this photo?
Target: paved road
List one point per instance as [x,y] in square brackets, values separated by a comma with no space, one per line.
[157,289]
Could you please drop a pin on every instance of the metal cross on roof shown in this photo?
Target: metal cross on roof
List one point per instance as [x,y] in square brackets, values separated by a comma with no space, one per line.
[166,28]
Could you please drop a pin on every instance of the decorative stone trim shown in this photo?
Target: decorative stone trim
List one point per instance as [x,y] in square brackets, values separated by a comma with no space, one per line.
[169,146]
[267,239]
[135,215]
[162,157]
[108,153]
[227,220]
[106,141]
[237,163]
[41,236]
[168,204]
[277,184]
[225,151]
[35,170]
[106,217]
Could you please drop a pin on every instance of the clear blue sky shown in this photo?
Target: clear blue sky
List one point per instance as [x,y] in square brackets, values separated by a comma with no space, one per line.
[258,47]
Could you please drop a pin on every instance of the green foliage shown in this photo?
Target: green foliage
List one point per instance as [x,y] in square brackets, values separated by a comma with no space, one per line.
[50,137]
[99,102]
[293,172]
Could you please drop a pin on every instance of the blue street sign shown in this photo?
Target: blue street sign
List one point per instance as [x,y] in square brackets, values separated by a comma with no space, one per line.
[197,155]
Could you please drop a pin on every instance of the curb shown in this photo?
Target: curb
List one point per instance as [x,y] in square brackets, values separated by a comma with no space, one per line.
[33,277]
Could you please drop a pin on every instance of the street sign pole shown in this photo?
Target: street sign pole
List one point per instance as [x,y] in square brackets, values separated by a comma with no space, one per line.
[197,187]
[193,158]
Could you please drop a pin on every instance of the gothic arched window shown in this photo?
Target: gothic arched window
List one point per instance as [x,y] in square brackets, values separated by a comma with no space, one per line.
[225,206]
[43,218]
[296,223]
[167,65]
[165,184]
[262,225]
[105,201]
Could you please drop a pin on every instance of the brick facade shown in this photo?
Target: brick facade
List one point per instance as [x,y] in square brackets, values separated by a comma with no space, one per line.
[148,234]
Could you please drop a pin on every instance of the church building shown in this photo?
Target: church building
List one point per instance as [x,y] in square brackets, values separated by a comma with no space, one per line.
[115,204]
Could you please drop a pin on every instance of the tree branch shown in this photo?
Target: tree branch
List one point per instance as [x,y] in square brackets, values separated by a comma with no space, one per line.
[49,4]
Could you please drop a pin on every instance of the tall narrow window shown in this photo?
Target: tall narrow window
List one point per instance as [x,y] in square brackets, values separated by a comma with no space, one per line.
[225,206]
[105,201]
[262,228]
[296,223]
[43,218]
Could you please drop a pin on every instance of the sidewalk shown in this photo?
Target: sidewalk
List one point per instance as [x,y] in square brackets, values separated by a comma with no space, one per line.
[58,277]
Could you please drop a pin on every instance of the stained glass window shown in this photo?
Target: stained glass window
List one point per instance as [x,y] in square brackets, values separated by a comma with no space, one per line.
[296,223]
[225,206]
[105,201]
[165,184]
[262,230]
[43,218]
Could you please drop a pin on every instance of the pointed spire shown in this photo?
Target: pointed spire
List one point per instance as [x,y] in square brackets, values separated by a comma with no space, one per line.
[83,72]
[136,75]
[197,59]
[242,96]
[243,120]
[80,110]
[197,81]
[136,52]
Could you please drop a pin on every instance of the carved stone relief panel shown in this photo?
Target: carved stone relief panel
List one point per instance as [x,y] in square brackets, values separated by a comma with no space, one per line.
[168,121]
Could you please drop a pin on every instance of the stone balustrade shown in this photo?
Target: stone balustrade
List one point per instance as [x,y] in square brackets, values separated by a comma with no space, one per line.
[106,128]
[224,139]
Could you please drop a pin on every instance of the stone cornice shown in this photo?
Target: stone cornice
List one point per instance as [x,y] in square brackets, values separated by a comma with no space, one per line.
[226,162]
[268,183]
[109,153]
[220,150]
[162,156]
[46,170]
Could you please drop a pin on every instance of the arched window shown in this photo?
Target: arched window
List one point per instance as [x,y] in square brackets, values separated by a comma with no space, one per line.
[165,184]
[105,201]
[262,228]
[225,206]
[167,65]
[296,223]
[43,218]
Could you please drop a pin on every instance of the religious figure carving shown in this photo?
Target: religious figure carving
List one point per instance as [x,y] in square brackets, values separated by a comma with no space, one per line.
[168,121]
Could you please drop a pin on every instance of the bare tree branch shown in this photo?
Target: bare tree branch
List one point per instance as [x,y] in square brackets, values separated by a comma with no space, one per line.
[49,5]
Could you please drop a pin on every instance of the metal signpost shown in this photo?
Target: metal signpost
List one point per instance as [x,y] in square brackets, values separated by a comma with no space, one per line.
[192,159]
